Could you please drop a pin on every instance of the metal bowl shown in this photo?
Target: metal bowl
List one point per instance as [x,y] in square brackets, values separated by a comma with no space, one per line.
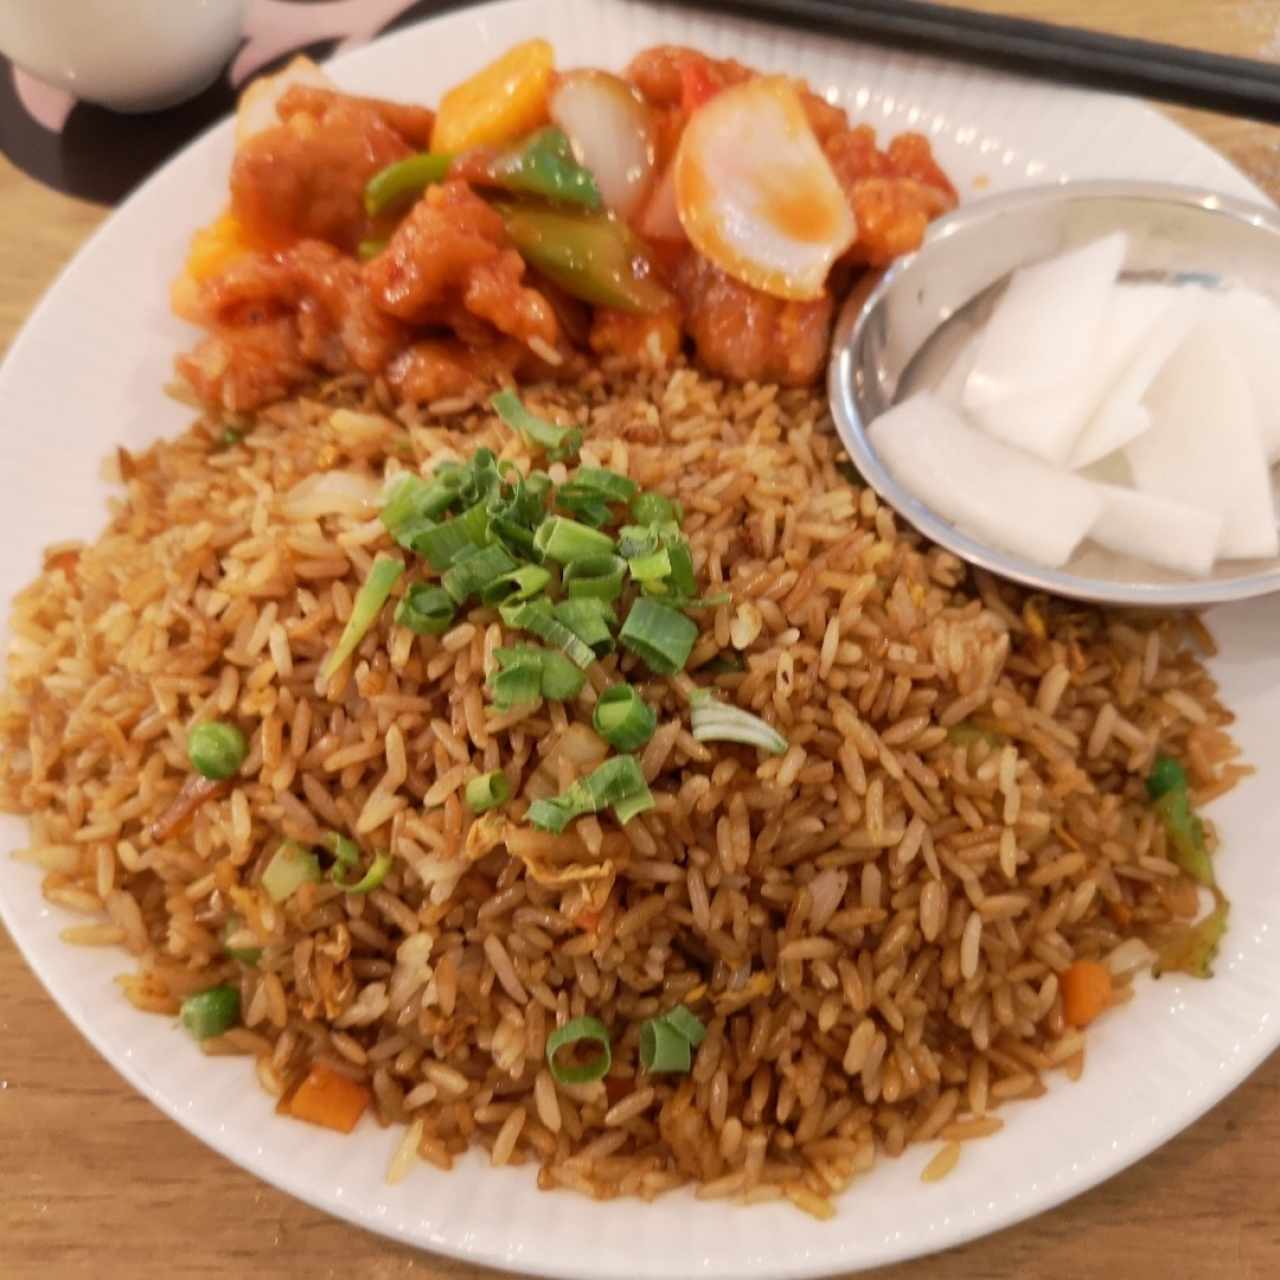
[903,335]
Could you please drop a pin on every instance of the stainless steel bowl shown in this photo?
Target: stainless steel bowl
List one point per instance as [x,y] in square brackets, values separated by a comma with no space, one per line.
[902,337]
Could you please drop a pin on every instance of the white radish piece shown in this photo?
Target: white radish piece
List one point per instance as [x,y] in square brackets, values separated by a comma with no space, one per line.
[1252,321]
[1204,447]
[999,495]
[256,110]
[1040,347]
[610,127]
[1121,416]
[950,387]
[1171,534]
[755,193]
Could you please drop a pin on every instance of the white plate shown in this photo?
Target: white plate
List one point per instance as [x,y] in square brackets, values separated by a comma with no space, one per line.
[87,373]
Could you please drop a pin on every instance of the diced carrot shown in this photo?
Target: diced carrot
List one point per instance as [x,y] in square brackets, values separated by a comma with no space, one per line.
[1086,991]
[329,1099]
[500,103]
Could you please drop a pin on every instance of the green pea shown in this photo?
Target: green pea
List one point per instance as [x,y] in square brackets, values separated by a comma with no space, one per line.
[216,749]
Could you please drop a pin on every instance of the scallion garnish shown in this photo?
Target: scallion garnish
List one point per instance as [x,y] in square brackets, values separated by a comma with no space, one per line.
[523,583]
[210,1013]
[216,749]
[591,620]
[663,1049]
[345,851]
[623,719]
[291,867]
[566,540]
[715,721]
[656,508]
[248,956]
[526,672]
[475,569]
[371,879]
[667,1042]
[650,568]
[617,783]
[488,791]
[364,611]
[558,442]
[660,636]
[595,577]
[599,482]
[535,616]
[426,609]
[413,503]
[578,1031]
[443,544]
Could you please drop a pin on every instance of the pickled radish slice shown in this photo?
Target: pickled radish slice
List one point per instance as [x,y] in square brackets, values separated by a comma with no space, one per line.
[1121,417]
[1204,447]
[1000,495]
[1171,534]
[755,193]
[1253,324]
[1039,349]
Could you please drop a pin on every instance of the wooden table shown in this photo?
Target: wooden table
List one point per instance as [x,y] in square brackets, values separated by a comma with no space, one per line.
[95,1182]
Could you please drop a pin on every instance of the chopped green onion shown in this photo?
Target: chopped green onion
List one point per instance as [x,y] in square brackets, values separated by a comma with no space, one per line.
[566,540]
[656,508]
[210,1013]
[367,249]
[1185,833]
[623,719]
[585,508]
[345,851]
[229,438]
[561,680]
[425,609]
[663,1049]
[558,442]
[364,612]
[715,721]
[371,879]
[488,791]
[1166,775]
[1190,948]
[599,482]
[414,503]
[517,680]
[641,540]
[536,617]
[682,581]
[578,1031]
[618,782]
[402,180]
[474,570]
[592,621]
[687,1023]
[659,635]
[595,577]
[523,583]
[216,749]
[442,544]
[291,867]
[248,956]
[652,567]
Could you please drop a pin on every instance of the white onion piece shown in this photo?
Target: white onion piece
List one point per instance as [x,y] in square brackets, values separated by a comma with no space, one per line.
[1204,447]
[660,219]
[333,493]
[1000,495]
[1254,335]
[610,128]
[1040,347]
[256,110]
[1121,416]
[756,194]
[1171,534]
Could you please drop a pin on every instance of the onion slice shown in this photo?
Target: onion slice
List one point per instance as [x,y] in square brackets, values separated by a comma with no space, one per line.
[256,110]
[756,194]
[611,130]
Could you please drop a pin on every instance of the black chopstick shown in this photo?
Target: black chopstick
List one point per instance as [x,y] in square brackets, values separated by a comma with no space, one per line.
[1189,77]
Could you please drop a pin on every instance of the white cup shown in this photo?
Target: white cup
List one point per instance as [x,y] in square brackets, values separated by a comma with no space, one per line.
[129,55]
